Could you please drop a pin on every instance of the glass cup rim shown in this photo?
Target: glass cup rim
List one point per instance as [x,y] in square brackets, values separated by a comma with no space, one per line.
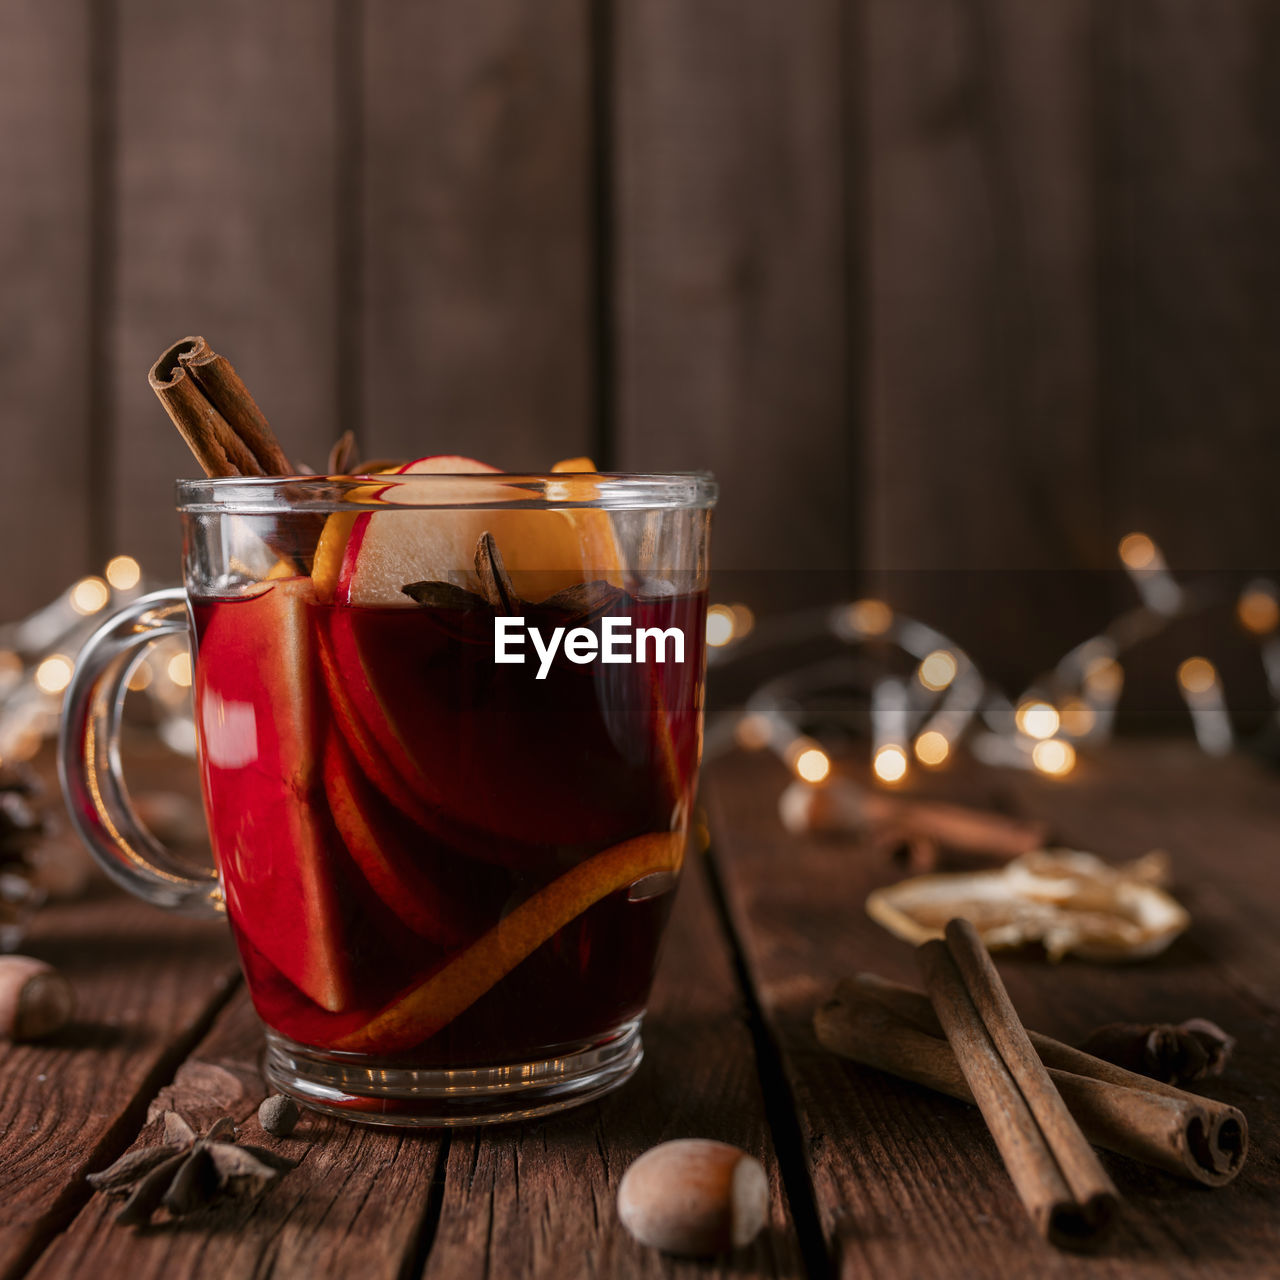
[609,490]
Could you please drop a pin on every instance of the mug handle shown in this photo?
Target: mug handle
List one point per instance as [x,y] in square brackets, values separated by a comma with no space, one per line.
[89,760]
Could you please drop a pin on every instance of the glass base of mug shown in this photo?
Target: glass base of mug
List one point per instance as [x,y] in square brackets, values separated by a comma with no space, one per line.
[434,1097]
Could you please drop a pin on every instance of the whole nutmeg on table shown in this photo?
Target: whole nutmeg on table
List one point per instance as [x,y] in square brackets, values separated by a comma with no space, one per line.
[35,999]
[694,1196]
[278,1115]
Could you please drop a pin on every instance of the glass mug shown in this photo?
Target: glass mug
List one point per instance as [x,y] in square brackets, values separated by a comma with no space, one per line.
[448,729]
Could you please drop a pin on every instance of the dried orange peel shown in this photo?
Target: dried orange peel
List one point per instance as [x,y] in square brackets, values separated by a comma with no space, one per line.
[1067,901]
[456,986]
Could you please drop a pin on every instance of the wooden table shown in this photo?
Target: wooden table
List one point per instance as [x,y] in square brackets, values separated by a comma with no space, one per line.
[870,1176]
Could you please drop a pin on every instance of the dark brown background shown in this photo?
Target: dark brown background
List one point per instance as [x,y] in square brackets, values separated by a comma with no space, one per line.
[961,285]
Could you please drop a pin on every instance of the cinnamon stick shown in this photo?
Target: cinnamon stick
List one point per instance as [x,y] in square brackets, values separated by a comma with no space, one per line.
[204,427]
[1199,1138]
[213,409]
[1064,1187]
[224,389]
[841,805]
[229,435]
[892,1028]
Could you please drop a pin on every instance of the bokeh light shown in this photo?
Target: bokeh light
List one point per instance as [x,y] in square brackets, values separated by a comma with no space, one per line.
[54,673]
[179,670]
[1038,719]
[1197,675]
[932,748]
[938,670]
[1104,678]
[1258,611]
[123,572]
[89,595]
[1137,551]
[1054,757]
[744,620]
[812,765]
[870,617]
[721,625]
[890,764]
[1078,718]
[753,731]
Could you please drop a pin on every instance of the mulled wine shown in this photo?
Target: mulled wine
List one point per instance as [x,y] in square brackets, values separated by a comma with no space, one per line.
[434,854]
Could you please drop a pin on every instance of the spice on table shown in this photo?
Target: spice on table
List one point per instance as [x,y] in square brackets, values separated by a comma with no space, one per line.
[186,1173]
[1069,902]
[1057,1174]
[1176,1054]
[923,828]
[694,1197]
[35,999]
[892,1028]
[278,1115]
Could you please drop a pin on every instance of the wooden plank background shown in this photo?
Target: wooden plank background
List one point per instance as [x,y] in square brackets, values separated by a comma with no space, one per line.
[950,294]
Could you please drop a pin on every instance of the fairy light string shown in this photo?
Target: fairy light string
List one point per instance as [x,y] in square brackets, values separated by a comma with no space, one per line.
[37,658]
[918,719]
[923,719]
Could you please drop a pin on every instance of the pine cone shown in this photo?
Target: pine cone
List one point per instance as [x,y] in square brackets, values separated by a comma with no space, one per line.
[23,824]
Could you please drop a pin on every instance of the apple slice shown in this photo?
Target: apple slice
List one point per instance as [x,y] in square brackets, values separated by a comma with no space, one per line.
[326,565]
[413,879]
[544,550]
[260,753]
[434,1003]
[378,559]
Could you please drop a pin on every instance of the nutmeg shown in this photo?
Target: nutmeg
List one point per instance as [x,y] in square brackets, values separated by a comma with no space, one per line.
[694,1196]
[35,999]
[278,1115]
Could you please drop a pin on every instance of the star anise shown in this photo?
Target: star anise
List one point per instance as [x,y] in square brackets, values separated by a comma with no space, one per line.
[1176,1054]
[186,1172]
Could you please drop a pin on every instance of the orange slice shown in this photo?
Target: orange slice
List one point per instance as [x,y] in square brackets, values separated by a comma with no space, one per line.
[421,1012]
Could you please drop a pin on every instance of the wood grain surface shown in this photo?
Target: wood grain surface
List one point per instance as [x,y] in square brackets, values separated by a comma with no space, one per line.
[730,275]
[147,984]
[1188,382]
[539,1199]
[868,1175]
[45,234]
[950,294]
[908,1183]
[475,231]
[354,1205]
[223,191]
[528,1200]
